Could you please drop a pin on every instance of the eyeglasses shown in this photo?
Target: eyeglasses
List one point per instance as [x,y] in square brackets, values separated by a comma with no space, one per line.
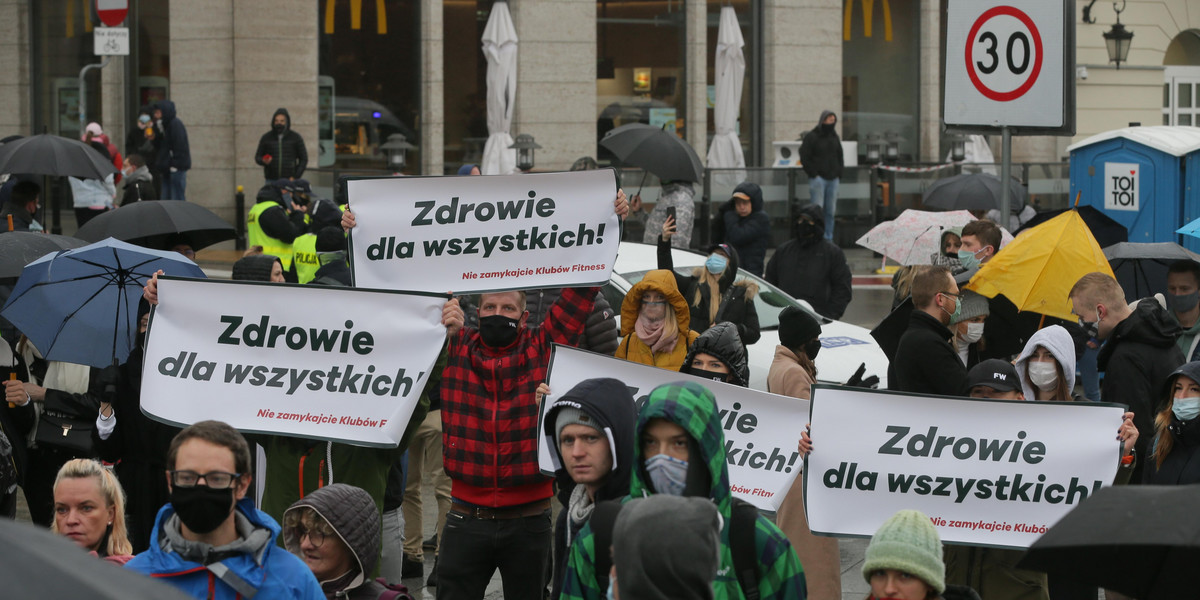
[955,296]
[217,480]
[315,536]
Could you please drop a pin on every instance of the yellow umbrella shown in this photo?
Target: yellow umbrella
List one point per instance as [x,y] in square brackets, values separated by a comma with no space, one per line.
[1037,269]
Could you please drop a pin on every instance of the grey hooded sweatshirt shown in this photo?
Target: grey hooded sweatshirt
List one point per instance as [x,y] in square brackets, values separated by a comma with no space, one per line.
[353,515]
[666,548]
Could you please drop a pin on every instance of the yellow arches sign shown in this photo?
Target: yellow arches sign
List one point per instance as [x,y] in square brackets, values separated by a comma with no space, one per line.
[868,7]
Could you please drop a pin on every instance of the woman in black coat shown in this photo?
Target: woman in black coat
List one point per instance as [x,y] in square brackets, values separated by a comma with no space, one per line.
[1175,453]
[711,292]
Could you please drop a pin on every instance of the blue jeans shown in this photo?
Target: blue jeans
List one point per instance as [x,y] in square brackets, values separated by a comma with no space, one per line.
[174,185]
[824,191]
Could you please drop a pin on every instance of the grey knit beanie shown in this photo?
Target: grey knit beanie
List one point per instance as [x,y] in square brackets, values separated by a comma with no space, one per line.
[973,305]
[907,542]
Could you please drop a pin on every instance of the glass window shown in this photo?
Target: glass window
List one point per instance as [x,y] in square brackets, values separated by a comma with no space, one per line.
[1185,96]
[465,88]
[746,135]
[880,73]
[639,69]
[63,45]
[370,68]
[153,52]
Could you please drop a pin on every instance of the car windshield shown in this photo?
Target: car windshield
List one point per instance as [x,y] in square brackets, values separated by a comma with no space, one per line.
[768,302]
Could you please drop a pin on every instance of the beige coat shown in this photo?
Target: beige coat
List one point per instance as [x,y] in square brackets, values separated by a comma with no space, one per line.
[818,555]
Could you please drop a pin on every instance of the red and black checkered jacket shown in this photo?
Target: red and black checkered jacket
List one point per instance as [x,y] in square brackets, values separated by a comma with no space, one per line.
[490,413]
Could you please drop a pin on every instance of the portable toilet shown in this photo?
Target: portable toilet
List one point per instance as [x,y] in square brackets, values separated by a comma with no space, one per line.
[1139,176]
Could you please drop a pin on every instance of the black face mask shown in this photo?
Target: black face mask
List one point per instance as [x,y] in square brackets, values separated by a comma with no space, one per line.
[498,331]
[278,127]
[811,231]
[202,508]
[812,348]
[713,375]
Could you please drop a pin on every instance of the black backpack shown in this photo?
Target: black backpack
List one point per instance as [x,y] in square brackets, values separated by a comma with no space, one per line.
[741,543]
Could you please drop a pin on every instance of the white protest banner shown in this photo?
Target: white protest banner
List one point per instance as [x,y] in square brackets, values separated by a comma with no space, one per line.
[472,234]
[761,429]
[987,472]
[310,361]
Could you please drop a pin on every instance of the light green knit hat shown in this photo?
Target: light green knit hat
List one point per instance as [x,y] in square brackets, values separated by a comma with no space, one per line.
[907,542]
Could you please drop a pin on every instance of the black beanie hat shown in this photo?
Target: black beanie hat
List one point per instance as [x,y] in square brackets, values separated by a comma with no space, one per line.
[797,327]
[331,239]
[256,267]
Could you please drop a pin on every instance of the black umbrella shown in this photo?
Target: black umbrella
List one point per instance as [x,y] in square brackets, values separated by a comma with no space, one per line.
[972,191]
[48,154]
[151,223]
[19,248]
[1140,540]
[1141,269]
[1106,231]
[655,150]
[39,564]
[892,328]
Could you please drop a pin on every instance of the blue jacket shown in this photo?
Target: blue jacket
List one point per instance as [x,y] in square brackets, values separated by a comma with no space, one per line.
[281,574]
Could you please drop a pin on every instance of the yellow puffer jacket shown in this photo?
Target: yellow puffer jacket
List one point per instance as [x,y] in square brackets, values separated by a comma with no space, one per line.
[632,348]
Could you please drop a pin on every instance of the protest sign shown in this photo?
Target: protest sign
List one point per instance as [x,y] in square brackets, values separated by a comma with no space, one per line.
[310,361]
[472,234]
[987,472]
[761,429]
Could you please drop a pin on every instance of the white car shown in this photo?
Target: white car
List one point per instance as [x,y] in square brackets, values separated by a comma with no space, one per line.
[843,346]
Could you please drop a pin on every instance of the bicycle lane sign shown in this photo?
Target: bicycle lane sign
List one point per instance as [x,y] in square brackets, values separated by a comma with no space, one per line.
[1006,64]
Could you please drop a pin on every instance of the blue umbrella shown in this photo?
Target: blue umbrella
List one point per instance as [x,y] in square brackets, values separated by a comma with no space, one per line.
[80,305]
[1192,229]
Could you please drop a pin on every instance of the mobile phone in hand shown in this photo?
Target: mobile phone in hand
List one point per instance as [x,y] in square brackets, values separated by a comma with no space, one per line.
[671,213]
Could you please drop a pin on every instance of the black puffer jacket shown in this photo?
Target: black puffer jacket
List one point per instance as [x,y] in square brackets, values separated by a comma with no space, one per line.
[353,515]
[600,334]
[736,301]
[1137,359]
[821,150]
[609,403]
[722,342]
[288,154]
[813,270]
[750,234]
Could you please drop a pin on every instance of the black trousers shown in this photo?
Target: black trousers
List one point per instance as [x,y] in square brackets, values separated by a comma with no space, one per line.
[40,473]
[472,549]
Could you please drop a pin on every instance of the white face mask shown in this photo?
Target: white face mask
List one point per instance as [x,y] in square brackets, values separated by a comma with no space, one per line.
[1043,374]
[974,333]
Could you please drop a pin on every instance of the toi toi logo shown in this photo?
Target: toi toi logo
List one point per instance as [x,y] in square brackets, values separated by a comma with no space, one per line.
[1121,186]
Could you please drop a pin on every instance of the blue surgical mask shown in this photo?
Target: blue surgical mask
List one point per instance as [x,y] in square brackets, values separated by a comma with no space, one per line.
[968,259]
[716,264]
[1186,409]
[668,475]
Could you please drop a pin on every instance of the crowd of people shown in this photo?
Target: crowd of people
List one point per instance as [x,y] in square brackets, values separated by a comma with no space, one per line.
[647,507]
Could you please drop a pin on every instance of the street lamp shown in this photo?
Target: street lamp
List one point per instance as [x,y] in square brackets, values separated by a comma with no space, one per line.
[1118,39]
[524,145]
[958,148]
[874,147]
[396,148]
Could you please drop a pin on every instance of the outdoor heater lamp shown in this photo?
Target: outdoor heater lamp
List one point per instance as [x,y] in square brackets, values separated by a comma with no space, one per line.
[396,149]
[524,145]
[874,142]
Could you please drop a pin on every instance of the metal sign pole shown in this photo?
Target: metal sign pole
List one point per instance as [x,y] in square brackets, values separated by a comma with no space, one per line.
[1005,174]
[83,91]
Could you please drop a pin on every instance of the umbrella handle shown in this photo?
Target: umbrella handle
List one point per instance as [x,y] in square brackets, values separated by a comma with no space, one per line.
[1077,195]
[642,184]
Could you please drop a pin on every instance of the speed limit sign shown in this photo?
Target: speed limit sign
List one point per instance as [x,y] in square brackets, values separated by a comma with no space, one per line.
[1010,64]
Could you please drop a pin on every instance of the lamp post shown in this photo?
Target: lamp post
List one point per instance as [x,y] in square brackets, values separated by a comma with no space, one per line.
[396,148]
[524,145]
[1118,39]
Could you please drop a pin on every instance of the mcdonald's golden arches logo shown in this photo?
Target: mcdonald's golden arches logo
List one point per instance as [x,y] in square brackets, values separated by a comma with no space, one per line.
[868,8]
[85,10]
[356,16]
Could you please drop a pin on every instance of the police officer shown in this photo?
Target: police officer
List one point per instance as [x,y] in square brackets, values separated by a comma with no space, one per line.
[275,221]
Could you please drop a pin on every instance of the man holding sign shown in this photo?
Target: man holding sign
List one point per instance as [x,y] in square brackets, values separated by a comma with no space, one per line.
[500,511]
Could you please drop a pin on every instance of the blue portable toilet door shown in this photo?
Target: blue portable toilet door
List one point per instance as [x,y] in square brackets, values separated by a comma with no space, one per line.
[1191,199]
[1125,183]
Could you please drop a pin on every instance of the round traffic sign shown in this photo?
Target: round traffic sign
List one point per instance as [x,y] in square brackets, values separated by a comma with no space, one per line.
[1004,53]
[112,12]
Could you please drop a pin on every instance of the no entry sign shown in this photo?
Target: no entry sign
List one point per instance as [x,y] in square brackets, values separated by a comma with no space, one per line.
[1007,64]
[112,12]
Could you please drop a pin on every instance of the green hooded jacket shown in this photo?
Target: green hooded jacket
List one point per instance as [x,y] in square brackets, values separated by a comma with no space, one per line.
[694,408]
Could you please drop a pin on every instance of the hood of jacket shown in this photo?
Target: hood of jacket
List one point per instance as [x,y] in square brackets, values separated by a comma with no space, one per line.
[256,267]
[287,119]
[141,173]
[663,282]
[821,128]
[168,110]
[731,269]
[609,404]
[352,514]
[754,191]
[1191,370]
[722,341]
[1059,342]
[253,555]
[1149,324]
[694,408]
[666,547]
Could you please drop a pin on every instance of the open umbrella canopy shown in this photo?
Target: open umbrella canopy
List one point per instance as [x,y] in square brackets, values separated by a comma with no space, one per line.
[1141,269]
[913,236]
[1037,270]
[151,223]
[19,248]
[1106,231]
[1192,229]
[1140,540]
[655,150]
[48,154]
[39,564]
[500,49]
[80,305]
[972,191]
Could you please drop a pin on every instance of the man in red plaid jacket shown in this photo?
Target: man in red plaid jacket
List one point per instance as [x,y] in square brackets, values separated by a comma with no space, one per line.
[500,511]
